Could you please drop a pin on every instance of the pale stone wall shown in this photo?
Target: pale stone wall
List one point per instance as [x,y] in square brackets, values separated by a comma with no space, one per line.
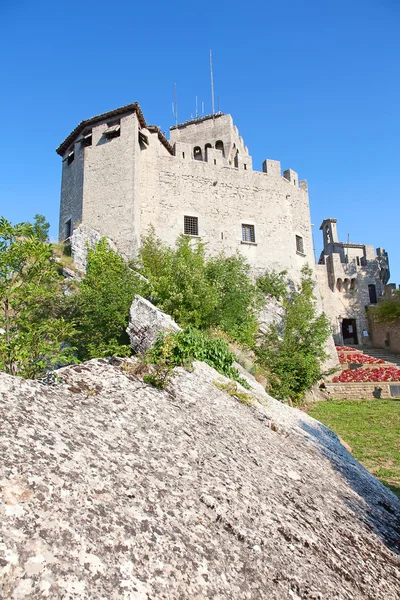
[223,198]
[71,191]
[110,191]
[362,391]
[385,335]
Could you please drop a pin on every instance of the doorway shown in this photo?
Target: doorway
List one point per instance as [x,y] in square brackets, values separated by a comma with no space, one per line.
[349,331]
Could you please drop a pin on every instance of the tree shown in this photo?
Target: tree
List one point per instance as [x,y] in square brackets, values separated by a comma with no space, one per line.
[388,309]
[102,304]
[293,354]
[198,291]
[33,335]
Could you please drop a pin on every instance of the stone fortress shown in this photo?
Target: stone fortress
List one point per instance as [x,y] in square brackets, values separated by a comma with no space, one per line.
[120,176]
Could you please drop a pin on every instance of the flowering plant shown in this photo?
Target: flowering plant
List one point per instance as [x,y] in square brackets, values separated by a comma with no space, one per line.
[359,358]
[344,349]
[374,374]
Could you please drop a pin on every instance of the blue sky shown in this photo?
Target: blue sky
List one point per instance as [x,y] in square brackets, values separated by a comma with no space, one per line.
[312,84]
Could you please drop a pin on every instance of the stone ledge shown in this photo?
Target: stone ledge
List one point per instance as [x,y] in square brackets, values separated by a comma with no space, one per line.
[355,390]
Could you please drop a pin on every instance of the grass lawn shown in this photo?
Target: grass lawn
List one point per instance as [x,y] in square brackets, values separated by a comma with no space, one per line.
[371,428]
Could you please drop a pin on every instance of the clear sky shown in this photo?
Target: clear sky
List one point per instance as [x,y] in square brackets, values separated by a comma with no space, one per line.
[313,84]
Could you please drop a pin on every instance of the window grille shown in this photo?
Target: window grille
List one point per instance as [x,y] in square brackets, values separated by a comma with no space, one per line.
[248,233]
[191,225]
[299,244]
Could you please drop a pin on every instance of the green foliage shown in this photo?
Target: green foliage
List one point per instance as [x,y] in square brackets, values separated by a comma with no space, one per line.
[388,309]
[235,311]
[293,355]
[160,356]
[197,291]
[274,284]
[102,304]
[184,347]
[34,333]
[232,390]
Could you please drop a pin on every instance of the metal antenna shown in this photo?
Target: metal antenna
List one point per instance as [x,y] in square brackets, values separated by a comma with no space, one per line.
[175,106]
[212,84]
[202,109]
[197,110]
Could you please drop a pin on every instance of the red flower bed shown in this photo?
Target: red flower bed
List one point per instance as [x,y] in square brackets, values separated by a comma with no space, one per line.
[362,359]
[344,349]
[368,375]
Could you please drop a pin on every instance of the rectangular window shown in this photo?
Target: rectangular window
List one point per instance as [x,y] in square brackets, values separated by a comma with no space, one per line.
[113,129]
[248,233]
[299,244]
[71,157]
[68,229]
[191,225]
[87,139]
[358,261]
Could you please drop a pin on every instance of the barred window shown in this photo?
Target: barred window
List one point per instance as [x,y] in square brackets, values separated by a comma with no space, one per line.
[191,225]
[299,244]
[248,233]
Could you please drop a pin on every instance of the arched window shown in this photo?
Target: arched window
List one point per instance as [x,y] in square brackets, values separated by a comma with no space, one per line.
[353,285]
[197,153]
[346,285]
[236,161]
[219,145]
[339,285]
[206,148]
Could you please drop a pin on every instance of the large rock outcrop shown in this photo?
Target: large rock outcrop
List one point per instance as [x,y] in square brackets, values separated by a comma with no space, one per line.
[82,238]
[112,489]
[146,322]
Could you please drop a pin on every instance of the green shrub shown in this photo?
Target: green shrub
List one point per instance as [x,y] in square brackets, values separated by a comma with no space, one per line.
[182,348]
[387,310]
[274,284]
[294,355]
[197,291]
[102,304]
[35,333]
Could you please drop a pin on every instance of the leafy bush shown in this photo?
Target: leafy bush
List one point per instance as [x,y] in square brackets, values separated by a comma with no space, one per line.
[197,291]
[294,355]
[387,310]
[274,284]
[184,347]
[102,304]
[33,332]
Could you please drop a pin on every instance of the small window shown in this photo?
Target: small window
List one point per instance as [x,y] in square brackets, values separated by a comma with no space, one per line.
[236,160]
[219,145]
[197,153]
[215,161]
[245,167]
[143,139]
[248,234]
[372,294]
[71,157]
[191,226]
[68,229]
[113,129]
[183,155]
[87,139]
[358,261]
[299,244]
[353,285]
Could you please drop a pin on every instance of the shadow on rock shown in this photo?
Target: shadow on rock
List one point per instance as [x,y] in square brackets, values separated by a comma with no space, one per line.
[377,506]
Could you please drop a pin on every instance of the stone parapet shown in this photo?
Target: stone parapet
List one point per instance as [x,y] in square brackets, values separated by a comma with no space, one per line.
[360,391]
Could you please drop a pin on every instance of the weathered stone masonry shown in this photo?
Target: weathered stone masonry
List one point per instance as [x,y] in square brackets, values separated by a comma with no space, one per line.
[120,176]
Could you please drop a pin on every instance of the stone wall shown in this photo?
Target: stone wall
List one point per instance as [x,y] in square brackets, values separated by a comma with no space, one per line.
[223,198]
[360,390]
[385,335]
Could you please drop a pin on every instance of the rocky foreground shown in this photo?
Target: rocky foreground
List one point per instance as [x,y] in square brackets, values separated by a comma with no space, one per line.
[112,489]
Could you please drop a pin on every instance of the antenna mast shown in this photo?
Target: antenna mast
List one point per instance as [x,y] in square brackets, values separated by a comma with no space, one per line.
[175,106]
[212,84]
